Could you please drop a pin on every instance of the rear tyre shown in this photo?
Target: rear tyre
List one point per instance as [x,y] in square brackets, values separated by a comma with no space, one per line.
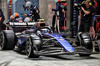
[7,40]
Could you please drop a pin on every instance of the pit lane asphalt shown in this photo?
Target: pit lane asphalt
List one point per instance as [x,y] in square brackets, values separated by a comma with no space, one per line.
[12,58]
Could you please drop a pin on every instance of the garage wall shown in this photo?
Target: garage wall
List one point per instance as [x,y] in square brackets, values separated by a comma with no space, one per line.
[45,7]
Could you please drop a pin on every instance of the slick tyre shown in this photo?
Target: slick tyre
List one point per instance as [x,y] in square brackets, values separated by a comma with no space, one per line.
[84,40]
[7,40]
[32,47]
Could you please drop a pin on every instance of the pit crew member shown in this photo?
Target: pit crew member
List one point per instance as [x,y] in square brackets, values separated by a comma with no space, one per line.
[34,11]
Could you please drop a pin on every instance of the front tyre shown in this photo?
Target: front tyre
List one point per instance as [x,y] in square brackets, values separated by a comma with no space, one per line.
[31,49]
[84,39]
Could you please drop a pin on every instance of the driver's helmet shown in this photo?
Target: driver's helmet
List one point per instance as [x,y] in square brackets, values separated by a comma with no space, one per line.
[11,17]
[16,15]
[28,4]
[27,19]
[45,31]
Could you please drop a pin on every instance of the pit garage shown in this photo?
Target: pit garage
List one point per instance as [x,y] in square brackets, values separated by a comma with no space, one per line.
[40,45]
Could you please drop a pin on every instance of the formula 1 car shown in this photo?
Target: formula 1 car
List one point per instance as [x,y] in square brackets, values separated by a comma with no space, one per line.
[38,39]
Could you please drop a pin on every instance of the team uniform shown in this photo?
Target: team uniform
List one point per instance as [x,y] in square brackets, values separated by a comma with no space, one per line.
[34,12]
[61,10]
[86,20]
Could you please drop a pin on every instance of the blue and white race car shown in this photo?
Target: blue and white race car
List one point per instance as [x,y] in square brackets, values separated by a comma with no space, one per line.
[38,39]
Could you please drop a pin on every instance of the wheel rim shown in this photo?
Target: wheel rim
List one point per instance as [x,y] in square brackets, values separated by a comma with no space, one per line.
[28,47]
[31,49]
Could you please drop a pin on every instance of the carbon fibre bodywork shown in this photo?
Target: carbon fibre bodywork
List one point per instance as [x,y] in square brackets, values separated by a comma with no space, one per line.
[45,42]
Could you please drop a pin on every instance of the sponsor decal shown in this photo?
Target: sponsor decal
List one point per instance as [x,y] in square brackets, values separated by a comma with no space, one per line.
[61,39]
[21,23]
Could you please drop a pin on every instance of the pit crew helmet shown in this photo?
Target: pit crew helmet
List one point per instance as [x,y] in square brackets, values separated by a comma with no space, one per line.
[11,17]
[56,1]
[28,4]
[27,19]
[16,15]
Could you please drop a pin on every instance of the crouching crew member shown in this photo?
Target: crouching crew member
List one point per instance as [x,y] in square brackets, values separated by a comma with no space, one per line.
[11,19]
[27,19]
[17,18]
